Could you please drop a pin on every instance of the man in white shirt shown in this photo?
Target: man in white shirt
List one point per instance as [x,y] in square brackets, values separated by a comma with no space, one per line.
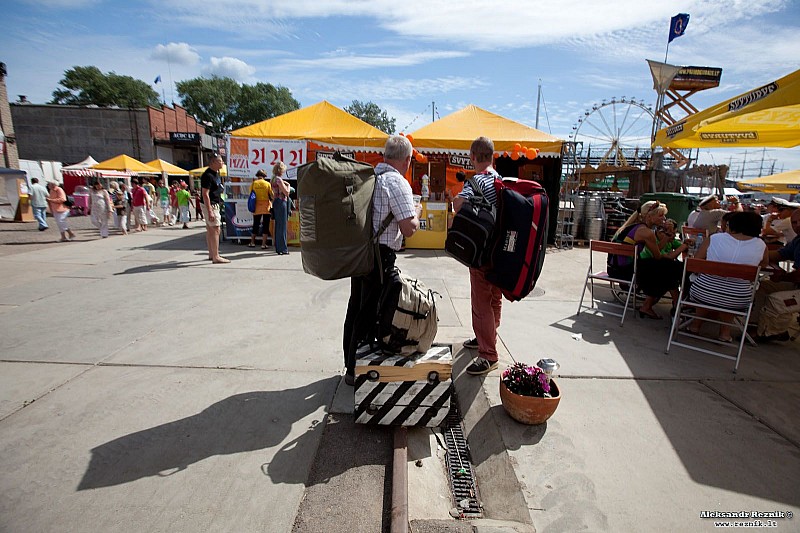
[710,212]
[38,194]
[392,195]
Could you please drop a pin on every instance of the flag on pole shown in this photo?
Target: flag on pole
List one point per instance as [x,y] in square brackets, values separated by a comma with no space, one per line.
[678,25]
[158,79]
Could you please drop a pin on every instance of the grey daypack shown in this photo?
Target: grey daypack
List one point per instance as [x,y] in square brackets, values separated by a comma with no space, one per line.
[336,235]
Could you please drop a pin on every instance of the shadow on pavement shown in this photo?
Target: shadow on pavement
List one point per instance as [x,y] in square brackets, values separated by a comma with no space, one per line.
[239,423]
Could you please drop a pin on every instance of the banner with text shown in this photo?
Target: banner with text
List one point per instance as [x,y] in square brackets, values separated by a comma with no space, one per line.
[247,156]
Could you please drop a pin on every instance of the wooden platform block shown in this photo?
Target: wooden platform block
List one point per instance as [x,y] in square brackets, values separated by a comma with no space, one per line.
[401,390]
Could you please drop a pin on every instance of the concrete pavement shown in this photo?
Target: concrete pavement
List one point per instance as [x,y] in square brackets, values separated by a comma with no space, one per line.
[143,388]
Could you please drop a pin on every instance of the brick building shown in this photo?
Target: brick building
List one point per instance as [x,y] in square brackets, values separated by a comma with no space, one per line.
[68,134]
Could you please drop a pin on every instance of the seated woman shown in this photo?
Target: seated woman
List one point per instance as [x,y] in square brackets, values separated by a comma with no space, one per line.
[739,245]
[657,274]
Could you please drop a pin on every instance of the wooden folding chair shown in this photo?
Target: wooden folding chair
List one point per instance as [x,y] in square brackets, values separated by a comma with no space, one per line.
[618,288]
[741,316]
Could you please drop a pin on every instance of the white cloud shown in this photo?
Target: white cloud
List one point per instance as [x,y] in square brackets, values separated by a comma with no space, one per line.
[63,4]
[176,53]
[230,67]
[341,61]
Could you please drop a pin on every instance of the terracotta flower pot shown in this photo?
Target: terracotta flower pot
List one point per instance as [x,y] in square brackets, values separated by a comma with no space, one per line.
[530,409]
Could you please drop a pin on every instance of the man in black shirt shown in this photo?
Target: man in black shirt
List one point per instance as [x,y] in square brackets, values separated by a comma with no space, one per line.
[211,196]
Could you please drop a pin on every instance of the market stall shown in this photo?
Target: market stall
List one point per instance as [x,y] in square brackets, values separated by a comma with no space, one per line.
[521,152]
[169,172]
[294,138]
[81,174]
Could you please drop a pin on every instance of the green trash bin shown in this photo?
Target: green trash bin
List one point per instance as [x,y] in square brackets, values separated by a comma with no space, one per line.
[679,205]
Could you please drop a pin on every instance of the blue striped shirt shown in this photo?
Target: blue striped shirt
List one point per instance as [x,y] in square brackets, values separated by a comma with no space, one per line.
[486,182]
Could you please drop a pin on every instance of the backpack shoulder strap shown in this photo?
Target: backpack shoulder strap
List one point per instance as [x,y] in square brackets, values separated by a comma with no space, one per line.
[386,221]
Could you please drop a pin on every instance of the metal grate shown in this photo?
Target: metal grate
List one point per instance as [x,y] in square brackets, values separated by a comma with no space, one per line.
[459,465]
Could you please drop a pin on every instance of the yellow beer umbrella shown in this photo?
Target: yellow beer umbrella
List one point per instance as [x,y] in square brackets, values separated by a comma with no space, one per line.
[766,116]
[783,183]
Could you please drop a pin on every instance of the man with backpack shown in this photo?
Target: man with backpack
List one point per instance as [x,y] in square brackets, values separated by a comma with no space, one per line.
[392,196]
[486,299]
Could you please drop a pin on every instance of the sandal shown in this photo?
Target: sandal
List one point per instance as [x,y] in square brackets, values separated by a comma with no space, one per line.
[263,246]
[251,245]
[725,339]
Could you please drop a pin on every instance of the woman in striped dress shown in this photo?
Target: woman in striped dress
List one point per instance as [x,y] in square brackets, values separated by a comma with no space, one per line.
[740,245]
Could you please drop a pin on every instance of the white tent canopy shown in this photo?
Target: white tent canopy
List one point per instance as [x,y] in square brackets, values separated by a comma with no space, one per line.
[86,163]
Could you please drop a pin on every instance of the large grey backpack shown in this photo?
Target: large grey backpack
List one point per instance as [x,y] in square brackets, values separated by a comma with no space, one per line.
[336,217]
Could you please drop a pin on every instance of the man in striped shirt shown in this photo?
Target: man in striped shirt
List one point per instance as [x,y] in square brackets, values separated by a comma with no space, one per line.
[486,298]
[392,195]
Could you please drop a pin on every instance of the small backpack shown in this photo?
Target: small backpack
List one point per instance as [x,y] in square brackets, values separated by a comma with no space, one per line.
[407,319]
[472,229]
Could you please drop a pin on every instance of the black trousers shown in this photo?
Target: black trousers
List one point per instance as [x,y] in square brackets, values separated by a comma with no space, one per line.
[362,308]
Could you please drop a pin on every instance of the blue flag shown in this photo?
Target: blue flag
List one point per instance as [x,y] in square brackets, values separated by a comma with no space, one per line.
[158,79]
[677,25]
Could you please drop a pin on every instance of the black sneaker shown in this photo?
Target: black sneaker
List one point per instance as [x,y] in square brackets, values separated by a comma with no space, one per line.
[349,379]
[472,343]
[481,366]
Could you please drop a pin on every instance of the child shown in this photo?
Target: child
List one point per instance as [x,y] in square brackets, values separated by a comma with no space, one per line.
[671,248]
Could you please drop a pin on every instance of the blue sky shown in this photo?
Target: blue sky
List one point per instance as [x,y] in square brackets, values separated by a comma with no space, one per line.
[405,55]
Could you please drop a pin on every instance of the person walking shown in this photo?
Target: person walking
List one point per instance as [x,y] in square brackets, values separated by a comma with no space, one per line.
[261,216]
[211,187]
[174,211]
[38,195]
[182,198]
[280,207]
[100,208]
[162,192]
[392,196]
[139,203]
[126,193]
[118,207]
[56,200]
[486,299]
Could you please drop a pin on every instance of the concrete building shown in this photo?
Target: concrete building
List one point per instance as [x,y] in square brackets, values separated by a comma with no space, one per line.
[68,134]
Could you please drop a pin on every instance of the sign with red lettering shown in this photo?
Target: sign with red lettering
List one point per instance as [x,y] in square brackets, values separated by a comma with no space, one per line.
[248,156]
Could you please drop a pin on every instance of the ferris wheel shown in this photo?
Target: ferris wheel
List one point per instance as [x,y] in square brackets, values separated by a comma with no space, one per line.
[615,131]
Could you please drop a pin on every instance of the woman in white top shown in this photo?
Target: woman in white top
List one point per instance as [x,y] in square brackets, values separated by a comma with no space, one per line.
[101,208]
[740,245]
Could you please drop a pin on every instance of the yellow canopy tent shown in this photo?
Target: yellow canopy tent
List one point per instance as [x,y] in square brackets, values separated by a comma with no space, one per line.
[197,172]
[169,168]
[455,133]
[125,163]
[766,116]
[322,123]
[783,183]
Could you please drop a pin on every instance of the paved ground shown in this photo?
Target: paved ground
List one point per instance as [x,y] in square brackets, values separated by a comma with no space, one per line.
[144,389]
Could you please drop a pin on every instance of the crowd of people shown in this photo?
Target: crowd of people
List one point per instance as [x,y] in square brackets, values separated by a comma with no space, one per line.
[118,207]
[736,234]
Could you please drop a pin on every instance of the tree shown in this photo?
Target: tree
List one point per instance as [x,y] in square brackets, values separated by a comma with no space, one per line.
[227,105]
[372,114]
[87,85]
